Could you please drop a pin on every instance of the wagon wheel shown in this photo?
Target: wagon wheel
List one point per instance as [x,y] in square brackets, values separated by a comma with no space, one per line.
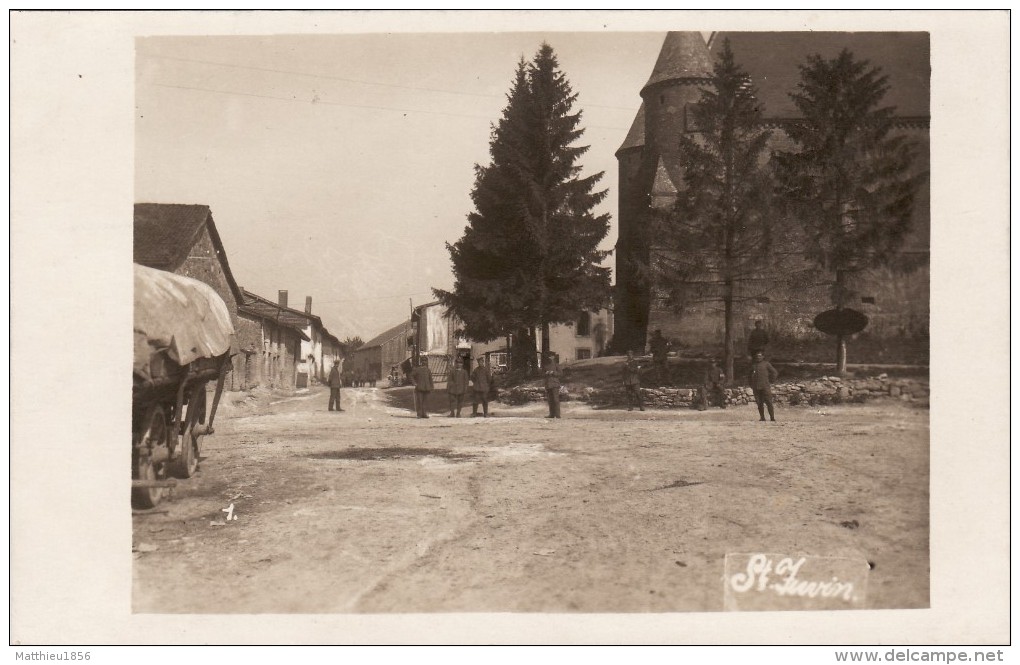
[186,463]
[153,435]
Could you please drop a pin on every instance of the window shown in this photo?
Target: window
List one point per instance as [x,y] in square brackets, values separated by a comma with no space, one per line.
[583,354]
[584,324]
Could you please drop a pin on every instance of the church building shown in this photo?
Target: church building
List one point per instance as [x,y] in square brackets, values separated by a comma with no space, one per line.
[651,174]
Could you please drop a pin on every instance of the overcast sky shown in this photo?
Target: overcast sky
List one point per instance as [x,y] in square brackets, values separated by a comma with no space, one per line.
[338,166]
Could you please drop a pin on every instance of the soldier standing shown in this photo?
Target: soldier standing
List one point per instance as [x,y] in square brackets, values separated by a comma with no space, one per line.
[659,346]
[632,382]
[334,386]
[757,340]
[422,378]
[481,380]
[552,385]
[456,387]
[762,376]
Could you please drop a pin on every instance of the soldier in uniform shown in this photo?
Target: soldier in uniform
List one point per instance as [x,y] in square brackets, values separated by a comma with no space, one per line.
[456,386]
[552,385]
[422,378]
[711,392]
[762,376]
[334,386]
[481,381]
[659,347]
[632,382]
[757,340]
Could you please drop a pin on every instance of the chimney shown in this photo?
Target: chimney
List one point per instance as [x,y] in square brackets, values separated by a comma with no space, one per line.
[282,295]
[308,304]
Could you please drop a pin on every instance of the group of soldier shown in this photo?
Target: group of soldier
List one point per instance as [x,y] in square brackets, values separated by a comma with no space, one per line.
[480,381]
[711,392]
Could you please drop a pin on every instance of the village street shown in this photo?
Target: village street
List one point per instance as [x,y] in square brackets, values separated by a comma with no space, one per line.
[372,510]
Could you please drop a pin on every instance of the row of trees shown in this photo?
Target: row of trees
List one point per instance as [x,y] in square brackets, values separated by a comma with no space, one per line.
[835,205]
[839,201]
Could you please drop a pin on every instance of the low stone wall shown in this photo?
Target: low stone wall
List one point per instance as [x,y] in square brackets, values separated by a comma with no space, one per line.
[826,390]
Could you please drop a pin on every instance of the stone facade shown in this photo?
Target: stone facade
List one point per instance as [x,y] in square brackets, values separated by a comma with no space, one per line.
[651,171]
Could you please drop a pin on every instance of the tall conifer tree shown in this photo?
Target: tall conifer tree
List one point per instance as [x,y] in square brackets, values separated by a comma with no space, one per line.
[848,181]
[715,244]
[529,255]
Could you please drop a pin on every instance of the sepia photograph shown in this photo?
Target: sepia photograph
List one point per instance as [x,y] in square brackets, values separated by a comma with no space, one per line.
[561,320]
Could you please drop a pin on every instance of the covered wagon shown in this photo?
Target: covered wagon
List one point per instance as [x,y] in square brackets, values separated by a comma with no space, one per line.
[183,341]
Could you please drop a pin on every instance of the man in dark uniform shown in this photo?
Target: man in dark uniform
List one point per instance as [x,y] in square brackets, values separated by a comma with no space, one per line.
[334,386]
[481,381]
[552,385]
[632,382]
[711,392]
[422,379]
[659,347]
[757,340]
[762,376]
[456,386]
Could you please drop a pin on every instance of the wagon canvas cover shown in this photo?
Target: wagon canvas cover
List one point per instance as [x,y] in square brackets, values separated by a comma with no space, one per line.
[180,316]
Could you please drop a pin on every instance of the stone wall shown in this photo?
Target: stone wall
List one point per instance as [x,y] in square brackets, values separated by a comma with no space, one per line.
[825,390]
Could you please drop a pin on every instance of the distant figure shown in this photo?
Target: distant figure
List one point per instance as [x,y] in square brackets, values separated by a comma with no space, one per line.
[422,378]
[711,392]
[659,346]
[357,378]
[456,386]
[762,376]
[758,340]
[481,381]
[632,382]
[335,382]
[552,385]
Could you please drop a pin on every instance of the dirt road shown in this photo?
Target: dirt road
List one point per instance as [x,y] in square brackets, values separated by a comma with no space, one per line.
[372,510]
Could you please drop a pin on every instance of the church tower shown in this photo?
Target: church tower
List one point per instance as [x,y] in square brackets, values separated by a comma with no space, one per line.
[650,173]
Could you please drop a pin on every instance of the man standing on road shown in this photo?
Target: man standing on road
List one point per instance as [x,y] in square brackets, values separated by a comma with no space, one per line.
[552,385]
[632,382]
[659,347]
[481,381]
[422,379]
[456,387]
[762,376]
[334,386]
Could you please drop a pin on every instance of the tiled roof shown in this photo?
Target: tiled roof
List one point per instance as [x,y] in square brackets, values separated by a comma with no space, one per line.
[256,305]
[683,55]
[772,60]
[164,234]
[382,338]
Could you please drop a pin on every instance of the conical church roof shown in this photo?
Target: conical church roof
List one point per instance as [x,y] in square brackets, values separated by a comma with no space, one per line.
[636,135]
[683,55]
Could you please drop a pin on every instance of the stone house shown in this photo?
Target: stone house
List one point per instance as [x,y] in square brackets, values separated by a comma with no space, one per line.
[319,348]
[274,362]
[182,239]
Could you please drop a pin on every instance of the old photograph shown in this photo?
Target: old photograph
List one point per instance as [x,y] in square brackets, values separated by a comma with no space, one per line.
[539,322]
